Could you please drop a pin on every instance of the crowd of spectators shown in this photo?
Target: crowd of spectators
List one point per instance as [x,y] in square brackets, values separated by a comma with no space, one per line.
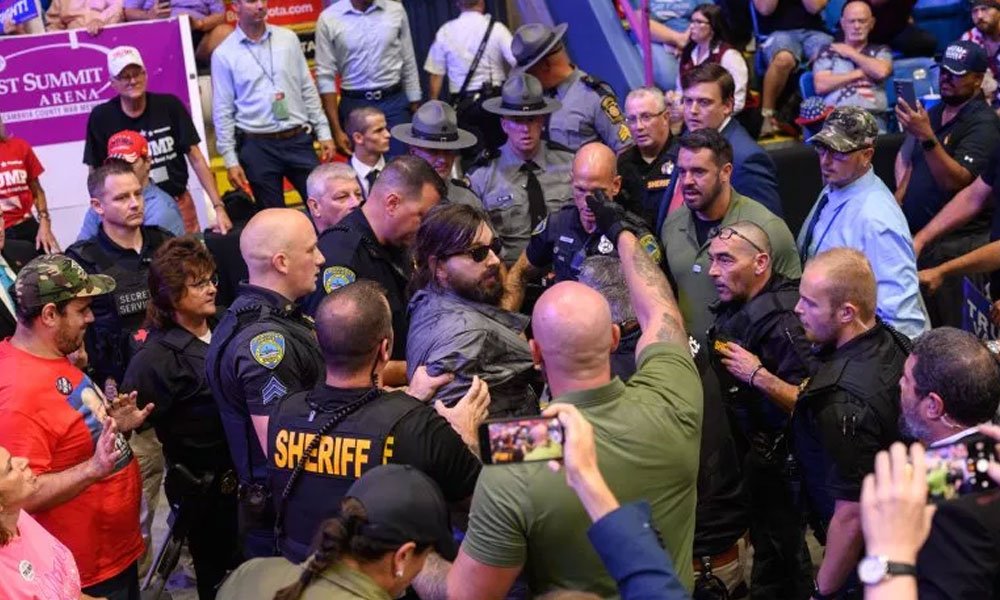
[729,387]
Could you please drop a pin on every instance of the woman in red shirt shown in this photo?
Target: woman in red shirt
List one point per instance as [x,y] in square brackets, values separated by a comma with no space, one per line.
[20,190]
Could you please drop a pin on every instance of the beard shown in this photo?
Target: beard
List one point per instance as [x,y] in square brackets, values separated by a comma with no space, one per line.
[487,290]
[67,344]
[910,425]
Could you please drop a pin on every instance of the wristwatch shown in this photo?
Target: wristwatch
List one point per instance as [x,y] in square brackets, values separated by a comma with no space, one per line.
[928,144]
[876,569]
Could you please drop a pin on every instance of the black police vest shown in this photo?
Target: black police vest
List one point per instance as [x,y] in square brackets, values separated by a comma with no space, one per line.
[118,335]
[749,327]
[360,442]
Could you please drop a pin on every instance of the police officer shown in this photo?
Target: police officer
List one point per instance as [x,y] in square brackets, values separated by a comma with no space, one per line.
[371,242]
[565,238]
[849,409]
[434,136]
[760,355]
[589,108]
[647,167]
[169,371]
[322,440]
[122,248]
[263,350]
[526,179]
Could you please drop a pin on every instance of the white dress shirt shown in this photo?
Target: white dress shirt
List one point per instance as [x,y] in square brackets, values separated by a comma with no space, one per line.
[455,46]
[362,170]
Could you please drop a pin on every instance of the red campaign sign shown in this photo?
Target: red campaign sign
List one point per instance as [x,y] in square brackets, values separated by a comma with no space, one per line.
[296,14]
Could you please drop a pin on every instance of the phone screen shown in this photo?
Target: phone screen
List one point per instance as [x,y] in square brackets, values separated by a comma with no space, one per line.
[907,91]
[520,439]
[958,469]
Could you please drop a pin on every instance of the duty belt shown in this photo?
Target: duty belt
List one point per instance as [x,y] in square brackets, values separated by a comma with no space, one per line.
[373,94]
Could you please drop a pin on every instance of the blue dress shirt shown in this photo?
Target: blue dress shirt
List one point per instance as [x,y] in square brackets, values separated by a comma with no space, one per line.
[159,209]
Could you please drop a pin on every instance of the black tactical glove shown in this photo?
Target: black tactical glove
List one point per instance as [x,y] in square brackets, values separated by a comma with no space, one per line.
[608,214]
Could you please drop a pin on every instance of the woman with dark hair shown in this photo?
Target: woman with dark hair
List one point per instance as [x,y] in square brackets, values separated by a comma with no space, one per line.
[169,371]
[388,524]
[709,43]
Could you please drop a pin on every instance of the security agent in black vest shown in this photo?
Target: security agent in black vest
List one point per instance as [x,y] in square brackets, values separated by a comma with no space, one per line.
[759,353]
[169,371]
[321,441]
[371,242]
[123,249]
[263,349]
[564,238]
[848,409]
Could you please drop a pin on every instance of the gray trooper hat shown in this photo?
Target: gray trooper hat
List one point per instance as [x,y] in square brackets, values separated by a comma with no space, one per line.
[534,41]
[434,126]
[522,96]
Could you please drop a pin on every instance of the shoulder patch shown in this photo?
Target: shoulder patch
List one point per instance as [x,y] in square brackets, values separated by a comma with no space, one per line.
[609,104]
[337,277]
[624,134]
[541,226]
[651,246]
[268,349]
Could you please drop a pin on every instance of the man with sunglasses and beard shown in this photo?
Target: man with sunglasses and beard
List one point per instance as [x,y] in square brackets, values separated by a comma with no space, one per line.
[856,210]
[946,148]
[564,238]
[456,322]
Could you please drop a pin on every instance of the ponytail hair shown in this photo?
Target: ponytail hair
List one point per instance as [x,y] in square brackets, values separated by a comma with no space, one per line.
[338,537]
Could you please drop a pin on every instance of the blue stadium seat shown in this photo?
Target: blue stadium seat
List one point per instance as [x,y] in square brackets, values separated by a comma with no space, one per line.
[806,85]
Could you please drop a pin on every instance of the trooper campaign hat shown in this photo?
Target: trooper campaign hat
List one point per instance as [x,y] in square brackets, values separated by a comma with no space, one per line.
[434,126]
[534,41]
[522,96]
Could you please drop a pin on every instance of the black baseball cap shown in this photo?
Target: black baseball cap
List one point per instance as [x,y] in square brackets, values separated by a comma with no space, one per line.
[404,505]
[964,57]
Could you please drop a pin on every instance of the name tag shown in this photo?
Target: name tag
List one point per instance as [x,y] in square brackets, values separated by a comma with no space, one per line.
[568,240]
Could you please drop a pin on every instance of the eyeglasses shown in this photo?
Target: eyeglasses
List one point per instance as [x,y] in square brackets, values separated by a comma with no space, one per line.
[136,76]
[644,118]
[837,156]
[727,232]
[213,281]
[479,253]
[699,22]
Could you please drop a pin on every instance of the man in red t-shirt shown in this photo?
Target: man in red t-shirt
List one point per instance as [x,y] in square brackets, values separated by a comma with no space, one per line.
[51,413]
[20,190]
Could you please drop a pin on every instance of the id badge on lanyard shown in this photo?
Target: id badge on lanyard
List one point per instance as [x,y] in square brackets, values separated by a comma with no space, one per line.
[279,107]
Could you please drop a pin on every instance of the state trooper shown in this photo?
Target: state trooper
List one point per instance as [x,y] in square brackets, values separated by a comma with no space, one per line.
[263,349]
[526,178]
[760,355]
[372,242]
[849,409]
[589,110]
[322,440]
[566,237]
[434,135]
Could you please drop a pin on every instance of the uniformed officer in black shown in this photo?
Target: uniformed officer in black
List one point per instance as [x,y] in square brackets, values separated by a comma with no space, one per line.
[434,136]
[263,349]
[321,441]
[760,354]
[647,167]
[849,409]
[566,237]
[122,248]
[169,371]
[372,242]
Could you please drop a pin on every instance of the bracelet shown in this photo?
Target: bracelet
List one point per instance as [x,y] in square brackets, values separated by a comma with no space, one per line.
[754,373]
[44,214]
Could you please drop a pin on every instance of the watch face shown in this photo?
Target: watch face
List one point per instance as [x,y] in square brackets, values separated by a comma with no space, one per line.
[872,569]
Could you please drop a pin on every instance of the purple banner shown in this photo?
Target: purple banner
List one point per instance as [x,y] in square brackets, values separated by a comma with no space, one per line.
[50,82]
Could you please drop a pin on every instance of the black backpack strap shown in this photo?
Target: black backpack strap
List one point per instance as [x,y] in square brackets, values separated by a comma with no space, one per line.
[479,56]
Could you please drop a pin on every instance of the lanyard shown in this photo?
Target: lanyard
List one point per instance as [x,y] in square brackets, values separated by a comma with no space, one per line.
[270,53]
[826,229]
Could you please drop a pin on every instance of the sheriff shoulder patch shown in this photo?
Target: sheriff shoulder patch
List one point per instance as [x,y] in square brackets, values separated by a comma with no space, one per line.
[337,277]
[268,349]
[648,243]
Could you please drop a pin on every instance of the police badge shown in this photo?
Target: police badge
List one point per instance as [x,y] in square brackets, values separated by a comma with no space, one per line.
[605,246]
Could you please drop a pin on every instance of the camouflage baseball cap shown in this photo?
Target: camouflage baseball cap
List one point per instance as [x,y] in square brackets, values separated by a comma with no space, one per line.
[847,129]
[55,278]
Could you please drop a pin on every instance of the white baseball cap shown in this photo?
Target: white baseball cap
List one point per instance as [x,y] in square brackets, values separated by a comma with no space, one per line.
[121,57]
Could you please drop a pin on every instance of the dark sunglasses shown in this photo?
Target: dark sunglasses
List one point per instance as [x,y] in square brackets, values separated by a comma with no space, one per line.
[479,253]
[727,232]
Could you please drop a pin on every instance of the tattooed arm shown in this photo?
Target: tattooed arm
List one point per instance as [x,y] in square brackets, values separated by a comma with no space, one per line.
[651,296]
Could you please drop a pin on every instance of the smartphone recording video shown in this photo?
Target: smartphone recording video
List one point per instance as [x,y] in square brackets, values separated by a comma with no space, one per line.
[516,440]
[958,469]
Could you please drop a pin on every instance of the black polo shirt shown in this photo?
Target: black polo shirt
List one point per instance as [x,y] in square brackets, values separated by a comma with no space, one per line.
[352,252]
[645,183]
[970,138]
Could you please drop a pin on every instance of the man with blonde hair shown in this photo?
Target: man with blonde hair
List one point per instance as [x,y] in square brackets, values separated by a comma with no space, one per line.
[848,410]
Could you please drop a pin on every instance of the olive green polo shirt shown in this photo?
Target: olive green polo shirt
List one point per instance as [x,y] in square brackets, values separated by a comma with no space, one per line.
[647,433]
[262,577]
[688,261]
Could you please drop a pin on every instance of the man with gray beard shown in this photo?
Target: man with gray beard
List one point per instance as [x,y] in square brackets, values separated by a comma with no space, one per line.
[456,323]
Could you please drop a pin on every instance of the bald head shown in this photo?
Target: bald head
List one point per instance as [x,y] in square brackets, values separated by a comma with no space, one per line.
[573,332]
[350,323]
[279,248]
[595,167]
[752,235]
[595,159]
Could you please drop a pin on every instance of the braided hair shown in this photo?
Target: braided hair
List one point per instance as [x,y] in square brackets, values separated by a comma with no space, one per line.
[338,537]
